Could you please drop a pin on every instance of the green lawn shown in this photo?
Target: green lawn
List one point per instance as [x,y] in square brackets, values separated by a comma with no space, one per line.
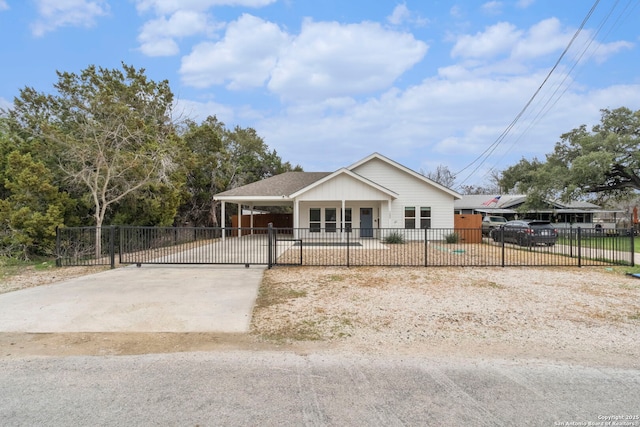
[606,242]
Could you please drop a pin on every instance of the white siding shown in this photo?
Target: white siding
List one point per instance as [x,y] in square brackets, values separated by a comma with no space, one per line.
[343,187]
[412,192]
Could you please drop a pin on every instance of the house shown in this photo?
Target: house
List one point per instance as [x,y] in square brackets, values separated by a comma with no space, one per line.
[373,193]
[563,214]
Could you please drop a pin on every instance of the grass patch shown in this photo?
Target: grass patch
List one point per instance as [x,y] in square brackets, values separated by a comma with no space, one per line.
[394,239]
[12,266]
[273,293]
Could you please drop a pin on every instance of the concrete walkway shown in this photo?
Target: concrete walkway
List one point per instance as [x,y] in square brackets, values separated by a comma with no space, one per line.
[152,298]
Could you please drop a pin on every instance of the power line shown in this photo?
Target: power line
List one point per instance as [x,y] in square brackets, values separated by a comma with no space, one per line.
[553,99]
[482,158]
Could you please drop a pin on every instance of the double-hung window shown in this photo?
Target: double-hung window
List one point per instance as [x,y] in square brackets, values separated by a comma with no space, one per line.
[315,219]
[330,220]
[409,217]
[425,217]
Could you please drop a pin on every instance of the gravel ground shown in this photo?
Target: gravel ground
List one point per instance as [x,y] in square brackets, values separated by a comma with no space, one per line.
[578,315]
[586,315]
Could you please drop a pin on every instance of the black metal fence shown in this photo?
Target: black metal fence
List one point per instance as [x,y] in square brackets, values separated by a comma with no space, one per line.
[331,247]
[449,247]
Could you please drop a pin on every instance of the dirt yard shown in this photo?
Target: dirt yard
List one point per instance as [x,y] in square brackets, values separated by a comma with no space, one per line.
[584,316]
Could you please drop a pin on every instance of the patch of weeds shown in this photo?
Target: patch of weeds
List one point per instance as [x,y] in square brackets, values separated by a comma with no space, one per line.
[635,316]
[486,284]
[336,278]
[274,293]
[394,238]
[452,238]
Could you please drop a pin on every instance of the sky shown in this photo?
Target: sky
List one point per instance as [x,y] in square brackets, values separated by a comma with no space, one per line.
[474,86]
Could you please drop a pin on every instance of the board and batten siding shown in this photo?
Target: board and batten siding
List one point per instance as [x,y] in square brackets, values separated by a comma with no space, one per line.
[412,191]
[343,187]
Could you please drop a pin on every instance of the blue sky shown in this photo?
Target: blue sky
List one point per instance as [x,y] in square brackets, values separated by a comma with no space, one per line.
[326,83]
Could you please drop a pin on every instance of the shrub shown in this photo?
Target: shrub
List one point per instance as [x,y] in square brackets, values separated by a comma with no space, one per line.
[394,238]
[452,238]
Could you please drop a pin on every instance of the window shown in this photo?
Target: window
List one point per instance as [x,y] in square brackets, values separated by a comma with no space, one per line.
[409,217]
[314,220]
[347,220]
[330,220]
[425,217]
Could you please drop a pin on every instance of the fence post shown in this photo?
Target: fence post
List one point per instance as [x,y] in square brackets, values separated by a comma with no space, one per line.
[58,259]
[579,247]
[426,260]
[348,250]
[112,245]
[633,246]
[270,245]
[502,242]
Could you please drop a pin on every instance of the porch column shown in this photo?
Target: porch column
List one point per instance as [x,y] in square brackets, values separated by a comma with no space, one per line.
[224,216]
[342,222]
[239,220]
[296,218]
[251,217]
[388,222]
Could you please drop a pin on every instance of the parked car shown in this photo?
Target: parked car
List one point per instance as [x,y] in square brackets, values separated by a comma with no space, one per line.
[526,233]
[490,222]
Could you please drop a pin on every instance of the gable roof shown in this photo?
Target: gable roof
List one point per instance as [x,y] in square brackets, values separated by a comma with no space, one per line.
[345,171]
[280,185]
[405,169]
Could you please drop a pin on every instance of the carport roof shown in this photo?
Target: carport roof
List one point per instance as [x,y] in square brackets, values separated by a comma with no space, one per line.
[280,185]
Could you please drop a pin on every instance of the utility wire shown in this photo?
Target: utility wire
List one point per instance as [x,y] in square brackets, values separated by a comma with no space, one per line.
[482,158]
[553,99]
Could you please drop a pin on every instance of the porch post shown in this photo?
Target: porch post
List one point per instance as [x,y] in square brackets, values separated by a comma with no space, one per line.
[224,221]
[342,222]
[251,218]
[239,219]
[296,218]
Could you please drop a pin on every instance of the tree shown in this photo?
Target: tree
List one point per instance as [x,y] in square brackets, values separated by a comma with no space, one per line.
[221,159]
[111,130]
[604,163]
[442,175]
[33,209]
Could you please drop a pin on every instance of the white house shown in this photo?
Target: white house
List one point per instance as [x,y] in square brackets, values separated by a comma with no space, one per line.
[373,193]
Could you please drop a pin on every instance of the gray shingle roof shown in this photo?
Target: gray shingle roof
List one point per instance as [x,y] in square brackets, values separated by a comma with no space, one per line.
[283,184]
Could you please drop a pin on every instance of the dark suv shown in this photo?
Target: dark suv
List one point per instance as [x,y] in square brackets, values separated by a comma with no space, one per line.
[526,233]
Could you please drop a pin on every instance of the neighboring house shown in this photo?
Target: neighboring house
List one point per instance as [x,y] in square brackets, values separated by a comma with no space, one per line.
[374,193]
[562,214]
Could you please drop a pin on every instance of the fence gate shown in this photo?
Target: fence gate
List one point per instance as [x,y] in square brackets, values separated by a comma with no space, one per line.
[163,245]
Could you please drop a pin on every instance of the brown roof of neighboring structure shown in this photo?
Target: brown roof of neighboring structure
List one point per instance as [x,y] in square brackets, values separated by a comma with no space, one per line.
[283,184]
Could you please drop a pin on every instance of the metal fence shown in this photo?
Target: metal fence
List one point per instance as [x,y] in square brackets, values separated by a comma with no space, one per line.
[449,247]
[330,247]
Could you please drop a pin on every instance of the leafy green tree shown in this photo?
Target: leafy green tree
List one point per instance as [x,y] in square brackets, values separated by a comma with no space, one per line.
[33,209]
[110,129]
[220,159]
[603,163]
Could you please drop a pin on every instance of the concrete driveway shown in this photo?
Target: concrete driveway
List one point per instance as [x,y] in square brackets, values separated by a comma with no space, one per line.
[152,298]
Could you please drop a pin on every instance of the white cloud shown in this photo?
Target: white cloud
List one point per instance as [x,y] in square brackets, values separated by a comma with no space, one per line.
[3,5]
[492,7]
[401,15]
[244,58]
[176,19]
[329,59]
[168,7]
[523,4]
[495,40]
[325,60]
[63,13]
[157,37]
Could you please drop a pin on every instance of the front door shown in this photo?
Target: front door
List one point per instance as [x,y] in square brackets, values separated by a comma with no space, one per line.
[366,222]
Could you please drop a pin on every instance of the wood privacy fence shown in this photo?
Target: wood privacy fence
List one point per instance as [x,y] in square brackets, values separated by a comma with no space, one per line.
[273,246]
